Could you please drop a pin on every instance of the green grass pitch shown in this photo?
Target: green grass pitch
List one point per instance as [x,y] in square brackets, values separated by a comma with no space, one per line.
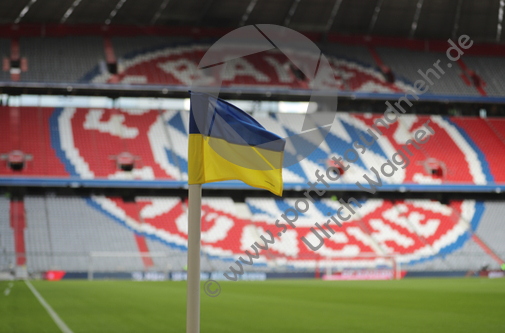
[411,305]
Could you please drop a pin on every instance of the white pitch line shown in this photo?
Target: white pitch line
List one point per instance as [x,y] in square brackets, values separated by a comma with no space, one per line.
[60,323]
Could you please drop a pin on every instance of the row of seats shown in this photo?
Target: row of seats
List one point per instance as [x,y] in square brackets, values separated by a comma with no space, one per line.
[5,46]
[6,232]
[60,59]
[422,234]
[487,133]
[459,151]
[86,143]
[61,232]
[491,70]
[406,63]
[172,60]
[491,231]
[29,130]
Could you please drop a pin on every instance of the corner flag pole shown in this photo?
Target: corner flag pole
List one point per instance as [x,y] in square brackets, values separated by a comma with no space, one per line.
[194,236]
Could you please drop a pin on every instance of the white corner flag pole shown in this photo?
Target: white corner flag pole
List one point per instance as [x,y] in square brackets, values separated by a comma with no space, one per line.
[194,235]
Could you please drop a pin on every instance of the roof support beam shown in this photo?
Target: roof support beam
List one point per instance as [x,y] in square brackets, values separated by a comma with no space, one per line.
[70,10]
[456,19]
[248,11]
[413,28]
[291,12]
[331,19]
[159,11]
[500,20]
[24,11]
[114,11]
[375,16]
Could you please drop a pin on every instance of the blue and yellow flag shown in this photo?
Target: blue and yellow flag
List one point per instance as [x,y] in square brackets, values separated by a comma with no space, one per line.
[225,143]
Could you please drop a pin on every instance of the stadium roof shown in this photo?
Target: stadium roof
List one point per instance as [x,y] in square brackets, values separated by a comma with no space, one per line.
[423,19]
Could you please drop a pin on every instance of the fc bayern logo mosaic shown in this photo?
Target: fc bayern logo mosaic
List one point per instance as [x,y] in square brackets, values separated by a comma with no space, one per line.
[144,132]
[158,140]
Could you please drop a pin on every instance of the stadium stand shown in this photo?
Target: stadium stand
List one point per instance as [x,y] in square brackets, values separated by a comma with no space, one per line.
[38,234]
[171,60]
[498,127]
[7,258]
[491,70]
[125,47]
[491,232]
[86,143]
[469,257]
[5,55]
[406,63]
[18,225]
[29,130]
[357,53]
[488,141]
[423,234]
[60,59]
[79,144]
[67,241]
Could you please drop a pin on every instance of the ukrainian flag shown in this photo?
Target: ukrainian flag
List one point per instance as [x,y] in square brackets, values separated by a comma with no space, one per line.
[225,143]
